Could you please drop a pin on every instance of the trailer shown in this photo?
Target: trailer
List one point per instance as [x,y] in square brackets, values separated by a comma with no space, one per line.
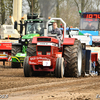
[5,52]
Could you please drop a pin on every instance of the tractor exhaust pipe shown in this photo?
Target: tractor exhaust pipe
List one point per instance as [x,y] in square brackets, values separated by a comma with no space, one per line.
[45,31]
[45,28]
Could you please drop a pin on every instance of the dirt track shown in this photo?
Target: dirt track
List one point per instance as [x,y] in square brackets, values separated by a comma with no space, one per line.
[18,87]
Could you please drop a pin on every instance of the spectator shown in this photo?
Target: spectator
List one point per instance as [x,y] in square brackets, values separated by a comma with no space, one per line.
[89,26]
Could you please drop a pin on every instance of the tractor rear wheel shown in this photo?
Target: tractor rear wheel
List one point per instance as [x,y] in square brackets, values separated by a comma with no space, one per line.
[73,57]
[15,50]
[28,70]
[59,70]
[31,49]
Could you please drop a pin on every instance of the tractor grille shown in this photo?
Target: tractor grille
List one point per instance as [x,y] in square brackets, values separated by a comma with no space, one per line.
[43,39]
[44,49]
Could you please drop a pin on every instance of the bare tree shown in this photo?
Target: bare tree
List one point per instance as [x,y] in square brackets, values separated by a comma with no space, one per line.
[2,11]
[35,5]
[59,2]
[81,4]
[58,11]
[97,5]
[68,9]
[68,12]
[24,7]
[6,7]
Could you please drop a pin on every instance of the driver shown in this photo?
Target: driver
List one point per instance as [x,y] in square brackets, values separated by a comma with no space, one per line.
[57,31]
[89,26]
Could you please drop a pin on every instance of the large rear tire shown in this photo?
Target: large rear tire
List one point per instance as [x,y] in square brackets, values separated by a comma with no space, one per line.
[31,49]
[59,70]
[73,57]
[28,71]
[15,50]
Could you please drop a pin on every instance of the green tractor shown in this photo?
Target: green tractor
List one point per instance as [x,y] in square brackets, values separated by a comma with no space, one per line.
[34,27]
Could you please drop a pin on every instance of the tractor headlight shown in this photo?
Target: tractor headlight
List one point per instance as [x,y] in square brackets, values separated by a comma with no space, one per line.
[39,53]
[48,53]
[28,39]
[23,40]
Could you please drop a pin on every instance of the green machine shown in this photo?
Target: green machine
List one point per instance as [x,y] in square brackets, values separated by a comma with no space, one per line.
[34,27]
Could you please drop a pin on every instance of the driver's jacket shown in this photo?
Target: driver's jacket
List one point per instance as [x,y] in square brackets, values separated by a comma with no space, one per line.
[58,32]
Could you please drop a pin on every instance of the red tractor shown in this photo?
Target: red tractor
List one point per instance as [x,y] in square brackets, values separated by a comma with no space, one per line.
[44,54]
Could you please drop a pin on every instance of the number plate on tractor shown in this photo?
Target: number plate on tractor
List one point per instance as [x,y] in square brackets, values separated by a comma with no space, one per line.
[46,63]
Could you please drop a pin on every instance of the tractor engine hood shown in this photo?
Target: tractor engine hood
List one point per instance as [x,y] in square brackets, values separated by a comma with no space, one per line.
[30,36]
[44,39]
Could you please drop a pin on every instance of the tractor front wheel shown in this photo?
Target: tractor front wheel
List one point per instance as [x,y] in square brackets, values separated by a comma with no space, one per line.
[28,70]
[59,70]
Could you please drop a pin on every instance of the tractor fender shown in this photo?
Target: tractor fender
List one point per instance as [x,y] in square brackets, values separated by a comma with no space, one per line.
[68,41]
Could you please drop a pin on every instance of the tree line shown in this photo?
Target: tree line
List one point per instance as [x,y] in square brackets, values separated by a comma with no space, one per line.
[65,9]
